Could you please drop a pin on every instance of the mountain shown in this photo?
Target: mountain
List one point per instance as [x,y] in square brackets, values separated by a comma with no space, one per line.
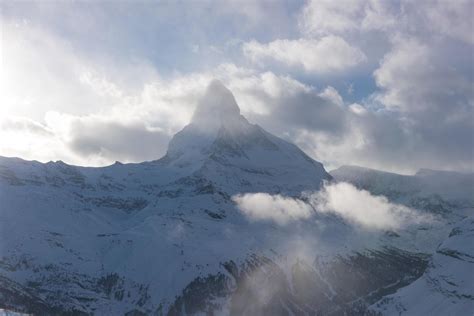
[221,145]
[436,191]
[166,237]
[447,286]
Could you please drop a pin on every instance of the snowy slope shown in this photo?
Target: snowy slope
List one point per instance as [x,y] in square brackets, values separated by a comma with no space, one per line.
[447,286]
[447,184]
[74,229]
[165,237]
[440,192]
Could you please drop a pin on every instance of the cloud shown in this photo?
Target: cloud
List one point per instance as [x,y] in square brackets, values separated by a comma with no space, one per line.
[432,94]
[316,120]
[322,17]
[414,77]
[332,95]
[362,208]
[104,140]
[413,98]
[276,208]
[358,207]
[107,119]
[424,97]
[13,124]
[425,18]
[39,72]
[448,18]
[26,138]
[330,53]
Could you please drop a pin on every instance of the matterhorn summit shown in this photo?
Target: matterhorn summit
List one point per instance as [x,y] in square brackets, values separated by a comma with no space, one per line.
[221,142]
[217,108]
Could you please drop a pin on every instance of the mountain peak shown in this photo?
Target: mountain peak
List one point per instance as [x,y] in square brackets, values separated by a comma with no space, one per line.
[221,146]
[217,106]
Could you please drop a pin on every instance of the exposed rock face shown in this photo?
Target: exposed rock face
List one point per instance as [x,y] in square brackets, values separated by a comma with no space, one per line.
[343,286]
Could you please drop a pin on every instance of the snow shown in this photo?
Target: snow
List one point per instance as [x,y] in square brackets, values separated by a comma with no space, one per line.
[168,220]
[159,225]
[447,287]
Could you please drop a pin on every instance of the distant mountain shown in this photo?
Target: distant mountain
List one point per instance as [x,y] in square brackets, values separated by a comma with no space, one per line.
[436,191]
[446,287]
[165,237]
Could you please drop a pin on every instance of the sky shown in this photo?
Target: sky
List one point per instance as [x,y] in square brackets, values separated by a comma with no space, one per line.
[380,84]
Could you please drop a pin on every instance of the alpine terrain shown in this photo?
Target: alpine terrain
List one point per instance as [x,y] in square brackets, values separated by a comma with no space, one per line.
[171,237]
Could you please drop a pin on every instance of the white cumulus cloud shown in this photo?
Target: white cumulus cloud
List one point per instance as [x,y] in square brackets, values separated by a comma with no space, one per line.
[330,17]
[277,208]
[358,207]
[362,208]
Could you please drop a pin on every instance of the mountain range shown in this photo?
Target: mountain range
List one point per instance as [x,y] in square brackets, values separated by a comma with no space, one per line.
[170,237]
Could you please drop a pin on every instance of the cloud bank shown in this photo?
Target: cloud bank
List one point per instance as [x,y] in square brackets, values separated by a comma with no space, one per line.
[357,207]
[362,208]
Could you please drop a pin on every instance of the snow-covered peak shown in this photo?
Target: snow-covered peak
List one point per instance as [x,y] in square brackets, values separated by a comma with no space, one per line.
[216,109]
[216,112]
[221,144]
